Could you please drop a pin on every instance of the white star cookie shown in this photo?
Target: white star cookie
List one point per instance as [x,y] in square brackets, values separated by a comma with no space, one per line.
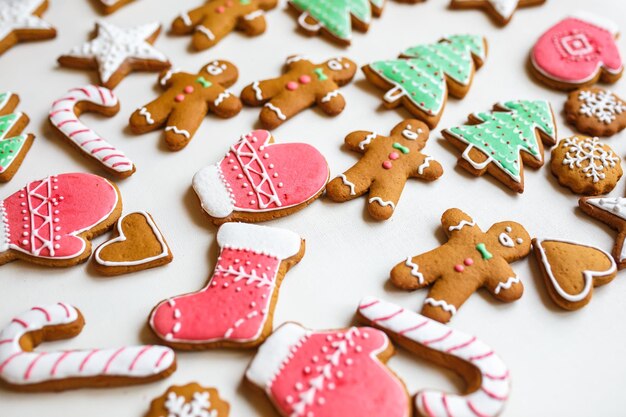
[500,10]
[115,52]
[110,6]
[20,20]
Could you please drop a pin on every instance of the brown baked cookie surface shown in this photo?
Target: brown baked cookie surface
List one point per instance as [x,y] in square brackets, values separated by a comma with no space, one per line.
[386,164]
[304,84]
[471,259]
[191,400]
[187,99]
[586,166]
[596,111]
[22,22]
[139,245]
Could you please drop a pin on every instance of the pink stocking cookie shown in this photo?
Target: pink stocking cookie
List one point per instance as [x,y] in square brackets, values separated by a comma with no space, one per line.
[260,180]
[329,373]
[64,118]
[236,307]
[22,369]
[51,221]
[577,52]
[485,374]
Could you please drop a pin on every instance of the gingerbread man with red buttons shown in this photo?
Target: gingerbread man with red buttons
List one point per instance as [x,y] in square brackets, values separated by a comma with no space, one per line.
[471,259]
[304,85]
[217,18]
[387,163]
[186,101]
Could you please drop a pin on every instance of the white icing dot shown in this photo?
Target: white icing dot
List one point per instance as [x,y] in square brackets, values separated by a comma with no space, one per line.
[280,185]
[245,185]
[25,234]
[237,261]
[22,204]
[235,168]
[57,228]
[24,212]
[22,196]
[321,401]
[275,175]
[61,198]
[298,386]
[214,283]
[57,238]
[339,374]
[252,202]
[324,349]
[365,336]
[349,361]
[307,370]
[329,338]
[57,246]
[252,304]
[331,386]
[508,229]
[238,289]
[519,240]
[240,176]
[225,285]
[24,242]
[315,359]
[358,349]
[271,166]
[266,156]
[25,219]
[289,399]
[56,187]
[56,220]
[56,212]
[26,226]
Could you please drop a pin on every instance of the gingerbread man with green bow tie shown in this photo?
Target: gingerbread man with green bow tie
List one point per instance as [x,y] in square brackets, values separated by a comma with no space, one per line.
[186,101]
[470,260]
[303,85]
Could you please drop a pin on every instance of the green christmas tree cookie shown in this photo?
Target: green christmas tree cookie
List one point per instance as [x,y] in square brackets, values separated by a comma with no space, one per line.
[13,145]
[424,75]
[505,140]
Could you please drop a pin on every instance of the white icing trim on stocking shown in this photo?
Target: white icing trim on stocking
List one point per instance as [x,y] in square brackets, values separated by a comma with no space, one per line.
[216,197]
[271,241]
[488,400]
[588,276]
[270,357]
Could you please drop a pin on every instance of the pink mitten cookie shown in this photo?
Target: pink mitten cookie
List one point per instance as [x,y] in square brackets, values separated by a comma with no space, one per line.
[64,115]
[50,222]
[329,373]
[20,21]
[260,180]
[577,52]
[115,52]
[236,307]
[485,374]
[23,369]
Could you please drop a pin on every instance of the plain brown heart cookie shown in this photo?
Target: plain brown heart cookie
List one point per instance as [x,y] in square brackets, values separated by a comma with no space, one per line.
[571,270]
[139,245]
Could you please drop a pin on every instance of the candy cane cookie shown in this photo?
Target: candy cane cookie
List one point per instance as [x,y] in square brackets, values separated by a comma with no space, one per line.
[485,374]
[22,369]
[64,116]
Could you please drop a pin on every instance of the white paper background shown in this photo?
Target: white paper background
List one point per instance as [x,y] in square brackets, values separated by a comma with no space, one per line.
[561,363]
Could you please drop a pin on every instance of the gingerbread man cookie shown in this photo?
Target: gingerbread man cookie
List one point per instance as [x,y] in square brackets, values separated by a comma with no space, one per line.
[596,111]
[186,101]
[20,20]
[387,163]
[303,85]
[471,259]
[191,400]
[13,144]
[217,18]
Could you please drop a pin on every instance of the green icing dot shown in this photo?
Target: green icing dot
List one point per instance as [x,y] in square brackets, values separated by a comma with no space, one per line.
[335,15]
[482,248]
[502,135]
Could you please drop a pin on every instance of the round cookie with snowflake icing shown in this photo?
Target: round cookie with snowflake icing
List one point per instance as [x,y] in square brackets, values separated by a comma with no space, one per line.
[191,400]
[596,111]
[585,165]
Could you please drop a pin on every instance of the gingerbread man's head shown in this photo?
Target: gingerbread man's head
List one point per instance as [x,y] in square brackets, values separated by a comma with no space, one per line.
[340,69]
[222,72]
[414,131]
[509,240]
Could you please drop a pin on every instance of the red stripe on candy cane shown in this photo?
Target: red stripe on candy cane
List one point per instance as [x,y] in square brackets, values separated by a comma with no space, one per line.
[141,352]
[61,100]
[9,359]
[111,359]
[20,322]
[44,311]
[410,329]
[104,148]
[78,132]
[90,141]
[63,123]
[462,345]
[479,357]
[497,377]
[475,410]
[438,339]
[54,113]
[84,362]
[67,310]
[119,164]
[494,395]
[104,100]
[31,366]
[427,407]
[113,155]
[161,358]
[444,400]
[389,317]
[368,305]
[2,342]
[53,371]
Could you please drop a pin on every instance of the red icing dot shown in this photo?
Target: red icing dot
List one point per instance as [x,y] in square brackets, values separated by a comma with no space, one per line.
[459,268]
[292,85]
[179,98]
[188,89]
[469,262]
[387,165]
[393,156]
[305,79]
[220,9]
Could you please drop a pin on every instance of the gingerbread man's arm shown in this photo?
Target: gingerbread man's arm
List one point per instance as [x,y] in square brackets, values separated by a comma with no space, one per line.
[260,92]
[360,140]
[417,272]
[150,117]
[457,223]
[330,100]
[187,22]
[504,285]
[427,169]
[254,23]
[224,104]
[169,77]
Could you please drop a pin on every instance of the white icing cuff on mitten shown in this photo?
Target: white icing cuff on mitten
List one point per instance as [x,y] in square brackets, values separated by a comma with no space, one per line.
[272,354]
[279,243]
[5,233]
[214,193]
[596,20]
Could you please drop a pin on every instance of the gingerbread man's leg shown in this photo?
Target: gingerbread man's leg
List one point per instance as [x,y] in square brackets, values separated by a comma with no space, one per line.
[445,297]
[282,108]
[332,102]
[253,23]
[182,124]
[351,184]
[260,92]
[384,197]
[150,117]
[225,105]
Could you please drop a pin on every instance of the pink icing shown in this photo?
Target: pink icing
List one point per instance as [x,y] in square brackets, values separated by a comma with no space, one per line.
[335,373]
[305,79]
[44,217]
[574,50]
[232,306]
[263,176]
[292,85]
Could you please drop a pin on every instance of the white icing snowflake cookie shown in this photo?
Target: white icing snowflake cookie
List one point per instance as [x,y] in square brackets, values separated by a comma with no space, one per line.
[596,111]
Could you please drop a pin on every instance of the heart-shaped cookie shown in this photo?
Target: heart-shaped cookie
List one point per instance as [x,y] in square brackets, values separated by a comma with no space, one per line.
[139,245]
[258,180]
[571,270]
